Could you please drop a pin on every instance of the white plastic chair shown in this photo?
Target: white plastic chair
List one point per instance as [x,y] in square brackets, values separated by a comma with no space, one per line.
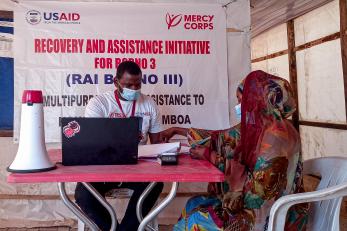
[325,211]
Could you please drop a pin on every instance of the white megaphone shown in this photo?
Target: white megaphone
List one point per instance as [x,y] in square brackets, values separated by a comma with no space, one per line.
[32,154]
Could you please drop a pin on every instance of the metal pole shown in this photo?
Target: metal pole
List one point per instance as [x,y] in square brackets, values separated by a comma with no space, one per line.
[73,208]
[103,201]
[141,200]
[152,214]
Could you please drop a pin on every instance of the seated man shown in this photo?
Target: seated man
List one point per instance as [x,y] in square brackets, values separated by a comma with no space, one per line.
[126,101]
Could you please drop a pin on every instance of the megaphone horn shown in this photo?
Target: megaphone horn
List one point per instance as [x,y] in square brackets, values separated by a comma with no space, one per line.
[32,153]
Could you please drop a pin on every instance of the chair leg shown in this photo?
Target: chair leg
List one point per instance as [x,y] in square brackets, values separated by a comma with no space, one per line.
[153,224]
[80,225]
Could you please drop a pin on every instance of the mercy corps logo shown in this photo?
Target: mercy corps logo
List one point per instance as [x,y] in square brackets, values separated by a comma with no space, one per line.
[190,22]
[34,17]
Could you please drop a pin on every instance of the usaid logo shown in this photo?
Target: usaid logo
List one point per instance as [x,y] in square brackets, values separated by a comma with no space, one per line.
[190,21]
[61,17]
[33,17]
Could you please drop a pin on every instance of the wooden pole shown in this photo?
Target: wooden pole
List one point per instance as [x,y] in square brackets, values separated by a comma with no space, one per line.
[293,70]
[343,33]
[323,125]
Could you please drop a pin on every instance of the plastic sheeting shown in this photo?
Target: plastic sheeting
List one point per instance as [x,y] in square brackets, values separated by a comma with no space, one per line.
[239,72]
[7,152]
[236,19]
[21,210]
[270,13]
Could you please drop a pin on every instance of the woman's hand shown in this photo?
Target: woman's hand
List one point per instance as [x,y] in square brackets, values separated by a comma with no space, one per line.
[236,175]
[199,152]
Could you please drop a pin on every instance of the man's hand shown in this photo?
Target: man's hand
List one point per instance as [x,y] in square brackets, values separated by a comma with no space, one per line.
[155,138]
[167,134]
[170,132]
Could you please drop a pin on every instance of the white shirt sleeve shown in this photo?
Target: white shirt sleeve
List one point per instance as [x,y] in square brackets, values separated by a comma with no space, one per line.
[155,126]
[94,109]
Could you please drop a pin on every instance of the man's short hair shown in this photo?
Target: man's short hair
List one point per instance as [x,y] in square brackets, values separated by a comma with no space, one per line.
[128,66]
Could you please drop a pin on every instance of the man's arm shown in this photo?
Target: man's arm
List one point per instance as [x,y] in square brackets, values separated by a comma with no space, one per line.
[155,128]
[167,134]
[94,109]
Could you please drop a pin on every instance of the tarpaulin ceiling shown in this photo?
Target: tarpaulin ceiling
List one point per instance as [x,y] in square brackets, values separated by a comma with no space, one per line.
[266,14]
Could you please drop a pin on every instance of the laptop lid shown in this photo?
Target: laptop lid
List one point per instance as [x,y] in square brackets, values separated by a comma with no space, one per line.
[100,141]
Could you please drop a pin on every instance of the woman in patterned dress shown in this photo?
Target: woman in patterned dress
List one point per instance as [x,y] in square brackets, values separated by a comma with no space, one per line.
[260,158]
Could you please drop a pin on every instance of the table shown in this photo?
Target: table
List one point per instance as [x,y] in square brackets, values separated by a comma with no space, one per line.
[187,170]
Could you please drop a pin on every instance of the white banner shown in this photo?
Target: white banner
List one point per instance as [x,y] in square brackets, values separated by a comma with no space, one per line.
[71,51]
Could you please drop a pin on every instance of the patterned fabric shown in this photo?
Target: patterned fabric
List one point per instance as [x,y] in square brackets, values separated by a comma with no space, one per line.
[260,166]
[200,214]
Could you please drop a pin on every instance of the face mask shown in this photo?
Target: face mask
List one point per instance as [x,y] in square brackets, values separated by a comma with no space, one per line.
[130,94]
[238,112]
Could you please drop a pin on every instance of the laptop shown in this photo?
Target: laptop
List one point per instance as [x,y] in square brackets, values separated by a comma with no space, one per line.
[100,141]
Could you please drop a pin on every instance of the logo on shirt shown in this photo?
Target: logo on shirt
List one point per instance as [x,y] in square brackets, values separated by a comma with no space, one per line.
[143,114]
[120,115]
[116,115]
[71,129]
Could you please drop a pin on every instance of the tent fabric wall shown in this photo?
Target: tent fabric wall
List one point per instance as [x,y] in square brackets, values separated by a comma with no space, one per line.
[36,212]
[277,66]
[320,83]
[318,142]
[269,42]
[326,18]
[319,77]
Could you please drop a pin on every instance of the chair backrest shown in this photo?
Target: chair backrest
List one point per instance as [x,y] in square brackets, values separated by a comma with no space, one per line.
[325,215]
